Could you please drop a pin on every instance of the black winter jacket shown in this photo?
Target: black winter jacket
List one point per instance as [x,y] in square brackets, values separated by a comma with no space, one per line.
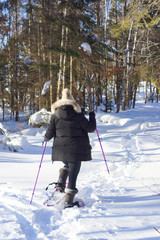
[69,128]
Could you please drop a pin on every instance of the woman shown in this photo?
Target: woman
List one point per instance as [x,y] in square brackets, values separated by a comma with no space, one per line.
[69,128]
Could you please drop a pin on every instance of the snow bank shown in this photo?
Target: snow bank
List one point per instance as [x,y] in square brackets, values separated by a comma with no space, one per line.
[35,131]
[40,118]
[114,120]
[122,205]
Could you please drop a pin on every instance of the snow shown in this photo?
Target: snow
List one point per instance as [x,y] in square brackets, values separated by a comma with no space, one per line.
[122,205]
[27,60]
[45,88]
[13,142]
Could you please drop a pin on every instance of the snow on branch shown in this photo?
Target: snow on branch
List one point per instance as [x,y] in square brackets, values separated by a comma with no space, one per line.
[86,47]
[45,88]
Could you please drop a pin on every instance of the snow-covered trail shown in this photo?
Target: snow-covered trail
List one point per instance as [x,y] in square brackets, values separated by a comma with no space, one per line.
[122,205]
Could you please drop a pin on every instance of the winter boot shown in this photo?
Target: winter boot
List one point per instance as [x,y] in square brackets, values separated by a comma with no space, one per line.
[69,196]
[63,174]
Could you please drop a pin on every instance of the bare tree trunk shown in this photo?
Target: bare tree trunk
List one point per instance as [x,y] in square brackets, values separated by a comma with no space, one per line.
[157,93]
[118,78]
[64,58]
[133,64]
[39,53]
[126,79]
[10,80]
[146,92]
[106,96]
[60,65]
[16,64]
[134,96]
[51,71]
[61,61]
[134,46]
[147,64]
[71,74]
[2,98]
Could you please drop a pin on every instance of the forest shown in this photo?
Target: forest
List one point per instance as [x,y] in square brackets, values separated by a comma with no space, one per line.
[101,50]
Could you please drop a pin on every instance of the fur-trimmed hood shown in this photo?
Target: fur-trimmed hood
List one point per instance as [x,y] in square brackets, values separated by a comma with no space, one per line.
[63,102]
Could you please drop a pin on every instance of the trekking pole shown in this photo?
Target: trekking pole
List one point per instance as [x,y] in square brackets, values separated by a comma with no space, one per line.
[102,150]
[38,172]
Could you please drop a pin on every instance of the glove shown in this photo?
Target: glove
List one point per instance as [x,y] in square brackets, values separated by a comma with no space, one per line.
[92,114]
[45,139]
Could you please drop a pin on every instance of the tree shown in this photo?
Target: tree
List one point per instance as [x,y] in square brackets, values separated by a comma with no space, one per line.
[91,47]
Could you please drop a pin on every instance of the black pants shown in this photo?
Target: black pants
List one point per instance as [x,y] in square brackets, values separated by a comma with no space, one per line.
[74,169]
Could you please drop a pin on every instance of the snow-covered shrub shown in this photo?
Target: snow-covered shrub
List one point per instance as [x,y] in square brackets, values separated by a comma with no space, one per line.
[40,118]
[11,142]
[2,131]
[15,143]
